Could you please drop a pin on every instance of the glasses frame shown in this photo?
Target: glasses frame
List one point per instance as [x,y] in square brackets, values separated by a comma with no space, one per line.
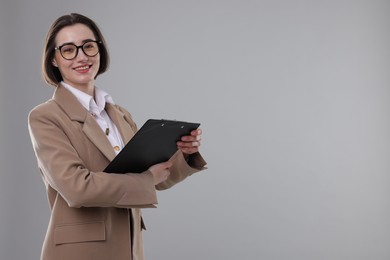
[77,49]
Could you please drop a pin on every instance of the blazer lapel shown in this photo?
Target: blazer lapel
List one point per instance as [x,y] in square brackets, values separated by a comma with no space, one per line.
[76,112]
[96,135]
[118,117]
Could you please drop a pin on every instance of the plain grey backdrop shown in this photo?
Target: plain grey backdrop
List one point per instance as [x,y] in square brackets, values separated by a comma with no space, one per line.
[294,102]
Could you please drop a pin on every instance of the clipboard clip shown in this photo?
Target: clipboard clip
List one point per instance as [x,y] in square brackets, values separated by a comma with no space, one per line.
[162,123]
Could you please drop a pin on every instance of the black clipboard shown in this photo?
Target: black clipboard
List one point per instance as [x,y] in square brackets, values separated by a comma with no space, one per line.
[154,142]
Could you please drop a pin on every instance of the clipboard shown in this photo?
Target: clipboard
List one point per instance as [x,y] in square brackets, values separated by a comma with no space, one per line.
[153,143]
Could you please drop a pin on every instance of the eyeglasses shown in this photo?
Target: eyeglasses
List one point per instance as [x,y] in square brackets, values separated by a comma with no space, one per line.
[69,51]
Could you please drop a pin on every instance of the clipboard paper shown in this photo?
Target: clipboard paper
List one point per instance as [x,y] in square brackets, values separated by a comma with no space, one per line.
[154,142]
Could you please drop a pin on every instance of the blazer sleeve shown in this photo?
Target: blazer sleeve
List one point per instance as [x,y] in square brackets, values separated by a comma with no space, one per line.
[65,172]
[182,168]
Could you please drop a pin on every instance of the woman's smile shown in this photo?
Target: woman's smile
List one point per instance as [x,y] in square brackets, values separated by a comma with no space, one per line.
[83,68]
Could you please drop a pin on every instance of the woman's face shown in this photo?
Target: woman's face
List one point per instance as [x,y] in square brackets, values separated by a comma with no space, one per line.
[81,71]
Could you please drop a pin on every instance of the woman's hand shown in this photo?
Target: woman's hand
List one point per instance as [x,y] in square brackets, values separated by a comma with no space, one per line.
[189,144]
[160,171]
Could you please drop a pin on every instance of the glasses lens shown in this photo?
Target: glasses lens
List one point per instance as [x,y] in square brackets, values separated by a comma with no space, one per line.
[68,51]
[90,48]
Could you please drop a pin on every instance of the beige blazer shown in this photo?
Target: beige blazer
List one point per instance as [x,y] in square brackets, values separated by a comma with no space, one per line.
[94,215]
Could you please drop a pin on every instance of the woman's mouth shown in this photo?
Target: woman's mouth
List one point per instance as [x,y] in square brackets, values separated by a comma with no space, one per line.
[83,69]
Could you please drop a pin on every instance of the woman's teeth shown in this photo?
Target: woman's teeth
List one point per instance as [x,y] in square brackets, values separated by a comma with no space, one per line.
[82,68]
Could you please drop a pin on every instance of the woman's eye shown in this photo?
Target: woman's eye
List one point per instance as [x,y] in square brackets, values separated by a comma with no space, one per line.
[67,50]
[88,46]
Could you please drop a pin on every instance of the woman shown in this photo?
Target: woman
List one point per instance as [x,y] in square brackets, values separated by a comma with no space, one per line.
[94,215]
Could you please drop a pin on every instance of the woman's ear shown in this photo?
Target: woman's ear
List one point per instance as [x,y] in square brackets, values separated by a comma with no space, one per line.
[54,62]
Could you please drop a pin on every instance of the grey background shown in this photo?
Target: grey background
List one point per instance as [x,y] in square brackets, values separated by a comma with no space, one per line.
[293,97]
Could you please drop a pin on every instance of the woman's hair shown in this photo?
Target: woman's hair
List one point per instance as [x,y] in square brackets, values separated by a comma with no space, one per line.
[51,74]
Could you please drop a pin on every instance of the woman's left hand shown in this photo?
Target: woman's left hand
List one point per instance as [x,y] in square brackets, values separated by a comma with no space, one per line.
[189,144]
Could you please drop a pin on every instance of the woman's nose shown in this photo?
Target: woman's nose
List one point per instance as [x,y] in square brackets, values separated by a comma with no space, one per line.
[81,55]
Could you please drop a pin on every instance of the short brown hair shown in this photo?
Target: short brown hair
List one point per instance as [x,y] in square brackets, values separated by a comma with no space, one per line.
[51,74]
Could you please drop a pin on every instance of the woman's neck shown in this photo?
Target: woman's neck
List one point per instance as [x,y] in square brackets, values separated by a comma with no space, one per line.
[86,88]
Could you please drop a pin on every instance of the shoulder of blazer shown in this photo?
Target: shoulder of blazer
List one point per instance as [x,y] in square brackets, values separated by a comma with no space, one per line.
[62,105]
[48,109]
[53,109]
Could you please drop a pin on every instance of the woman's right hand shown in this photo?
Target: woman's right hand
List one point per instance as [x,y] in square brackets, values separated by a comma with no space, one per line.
[160,171]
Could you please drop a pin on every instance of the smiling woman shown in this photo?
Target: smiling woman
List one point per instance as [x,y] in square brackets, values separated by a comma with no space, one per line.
[64,33]
[78,69]
[75,135]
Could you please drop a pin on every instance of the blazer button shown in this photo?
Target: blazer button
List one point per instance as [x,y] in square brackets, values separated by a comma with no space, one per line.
[116,148]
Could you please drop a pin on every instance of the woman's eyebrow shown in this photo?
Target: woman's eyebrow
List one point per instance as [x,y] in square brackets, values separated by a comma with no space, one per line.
[88,40]
[83,41]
